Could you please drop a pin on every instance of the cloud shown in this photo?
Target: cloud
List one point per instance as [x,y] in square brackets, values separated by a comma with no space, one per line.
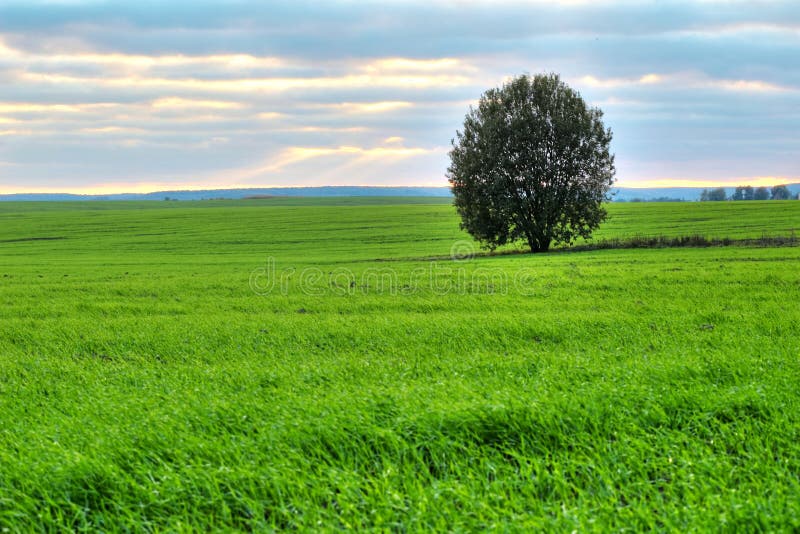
[14,133]
[402,64]
[330,129]
[109,187]
[270,115]
[733,181]
[182,93]
[113,130]
[367,107]
[757,86]
[138,62]
[245,85]
[175,102]
[297,154]
[33,107]
[691,80]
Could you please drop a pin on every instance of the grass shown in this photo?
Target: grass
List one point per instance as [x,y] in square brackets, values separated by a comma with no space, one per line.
[144,385]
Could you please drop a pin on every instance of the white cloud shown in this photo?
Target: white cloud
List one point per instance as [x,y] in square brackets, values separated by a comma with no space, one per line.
[685,80]
[175,102]
[366,107]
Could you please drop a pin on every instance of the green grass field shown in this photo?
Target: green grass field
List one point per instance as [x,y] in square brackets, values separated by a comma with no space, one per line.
[320,364]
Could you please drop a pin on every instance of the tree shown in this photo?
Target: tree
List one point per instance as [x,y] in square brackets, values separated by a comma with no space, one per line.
[713,194]
[761,194]
[717,194]
[743,192]
[532,163]
[781,192]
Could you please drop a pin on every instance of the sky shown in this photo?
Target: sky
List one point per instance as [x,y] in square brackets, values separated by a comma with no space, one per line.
[139,96]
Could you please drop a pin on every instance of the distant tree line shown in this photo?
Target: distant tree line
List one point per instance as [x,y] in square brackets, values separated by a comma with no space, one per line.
[746,192]
[654,199]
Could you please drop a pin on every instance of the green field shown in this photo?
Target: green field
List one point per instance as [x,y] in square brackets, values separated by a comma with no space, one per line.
[321,364]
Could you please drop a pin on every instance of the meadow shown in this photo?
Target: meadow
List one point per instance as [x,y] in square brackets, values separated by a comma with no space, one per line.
[323,364]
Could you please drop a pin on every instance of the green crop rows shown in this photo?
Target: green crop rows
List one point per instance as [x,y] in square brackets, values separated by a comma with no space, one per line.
[322,364]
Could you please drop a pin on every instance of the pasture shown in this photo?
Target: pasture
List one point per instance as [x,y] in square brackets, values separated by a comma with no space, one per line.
[323,364]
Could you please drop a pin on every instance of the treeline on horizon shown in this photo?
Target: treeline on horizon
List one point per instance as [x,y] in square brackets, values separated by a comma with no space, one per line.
[656,199]
[746,192]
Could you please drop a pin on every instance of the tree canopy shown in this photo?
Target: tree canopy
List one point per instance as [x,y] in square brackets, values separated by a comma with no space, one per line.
[746,192]
[716,194]
[743,192]
[781,192]
[532,163]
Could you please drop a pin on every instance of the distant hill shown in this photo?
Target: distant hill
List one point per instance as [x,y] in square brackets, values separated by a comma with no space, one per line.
[620,193]
[327,191]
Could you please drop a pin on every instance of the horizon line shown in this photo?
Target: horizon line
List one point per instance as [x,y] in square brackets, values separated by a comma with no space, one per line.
[91,192]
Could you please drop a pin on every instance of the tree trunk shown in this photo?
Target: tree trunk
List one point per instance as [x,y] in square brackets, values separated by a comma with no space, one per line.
[539,244]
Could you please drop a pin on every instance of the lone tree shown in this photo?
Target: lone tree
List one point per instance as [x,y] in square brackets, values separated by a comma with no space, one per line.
[532,163]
